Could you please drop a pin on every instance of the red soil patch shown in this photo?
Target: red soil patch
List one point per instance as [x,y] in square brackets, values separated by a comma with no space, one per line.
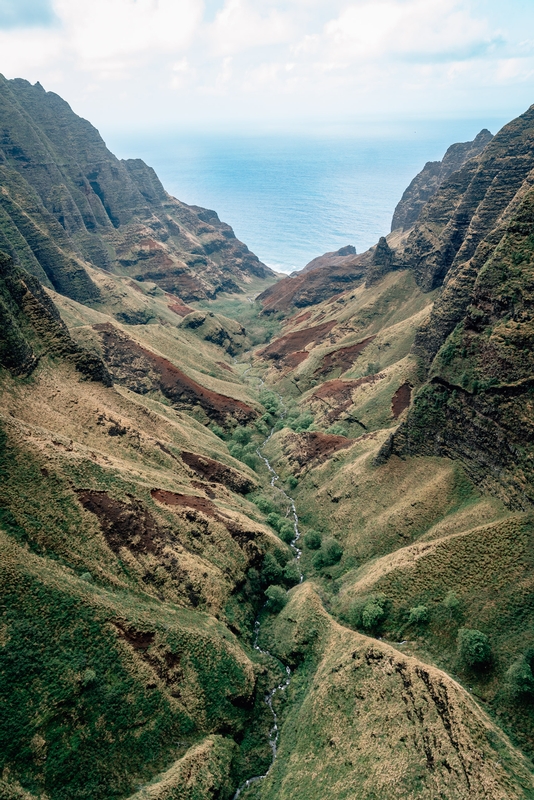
[301,318]
[297,340]
[343,358]
[212,470]
[294,359]
[131,364]
[180,308]
[225,366]
[123,524]
[185,500]
[401,399]
[341,393]
[245,538]
[313,447]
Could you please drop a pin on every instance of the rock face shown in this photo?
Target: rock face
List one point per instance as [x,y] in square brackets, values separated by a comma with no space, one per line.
[334,259]
[67,201]
[428,181]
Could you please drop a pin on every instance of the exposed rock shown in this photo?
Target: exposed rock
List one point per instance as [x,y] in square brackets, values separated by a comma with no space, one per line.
[428,181]
[141,370]
[333,259]
[67,200]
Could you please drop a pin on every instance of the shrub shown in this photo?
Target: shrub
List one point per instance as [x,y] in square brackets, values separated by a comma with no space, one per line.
[271,571]
[275,520]
[302,423]
[276,598]
[331,551]
[269,401]
[292,482]
[418,615]
[519,681]
[312,540]
[292,573]
[367,612]
[372,615]
[287,532]
[218,431]
[452,603]
[265,506]
[474,648]
[241,435]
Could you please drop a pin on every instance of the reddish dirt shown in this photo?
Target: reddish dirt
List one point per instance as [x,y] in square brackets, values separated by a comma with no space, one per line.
[301,318]
[186,501]
[294,359]
[401,399]
[343,358]
[123,524]
[225,366]
[131,364]
[313,447]
[245,538]
[297,340]
[340,392]
[139,640]
[180,308]
[205,487]
[212,470]
[310,288]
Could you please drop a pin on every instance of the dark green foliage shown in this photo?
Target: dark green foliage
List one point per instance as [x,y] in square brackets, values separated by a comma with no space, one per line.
[313,540]
[474,649]
[519,681]
[329,554]
[270,402]
[368,612]
[302,423]
[287,532]
[217,430]
[418,615]
[338,429]
[265,505]
[275,520]
[292,482]
[291,573]
[271,571]
[276,598]
[452,604]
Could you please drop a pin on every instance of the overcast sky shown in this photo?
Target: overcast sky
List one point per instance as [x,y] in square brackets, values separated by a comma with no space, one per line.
[137,64]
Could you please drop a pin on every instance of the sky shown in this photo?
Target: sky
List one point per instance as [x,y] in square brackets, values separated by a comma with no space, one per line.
[273,64]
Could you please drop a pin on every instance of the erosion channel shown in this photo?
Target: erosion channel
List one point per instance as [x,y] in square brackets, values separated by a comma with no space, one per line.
[274,732]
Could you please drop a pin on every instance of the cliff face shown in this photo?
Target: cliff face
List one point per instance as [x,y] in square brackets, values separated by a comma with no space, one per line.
[428,181]
[66,201]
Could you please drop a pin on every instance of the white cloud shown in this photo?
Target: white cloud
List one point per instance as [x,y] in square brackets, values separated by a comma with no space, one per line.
[241,25]
[107,29]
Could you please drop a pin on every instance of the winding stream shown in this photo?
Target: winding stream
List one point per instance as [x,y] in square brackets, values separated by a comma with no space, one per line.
[269,697]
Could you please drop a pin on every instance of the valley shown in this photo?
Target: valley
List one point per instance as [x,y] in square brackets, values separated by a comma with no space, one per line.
[230,500]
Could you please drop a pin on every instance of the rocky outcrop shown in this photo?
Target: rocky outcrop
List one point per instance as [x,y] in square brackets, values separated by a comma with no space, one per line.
[427,182]
[67,201]
[309,288]
[333,259]
[31,327]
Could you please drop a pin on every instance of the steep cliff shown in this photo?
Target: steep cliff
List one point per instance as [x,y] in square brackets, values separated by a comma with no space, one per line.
[66,201]
[427,182]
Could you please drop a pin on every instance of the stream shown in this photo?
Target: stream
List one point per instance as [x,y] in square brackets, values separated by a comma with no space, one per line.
[269,697]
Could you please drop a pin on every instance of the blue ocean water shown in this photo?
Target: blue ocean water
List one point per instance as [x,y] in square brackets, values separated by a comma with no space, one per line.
[292,197]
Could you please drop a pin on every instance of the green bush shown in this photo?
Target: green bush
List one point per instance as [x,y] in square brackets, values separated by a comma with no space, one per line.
[218,431]
[275,520]
[331,552]
[292,573]
[519,680]
[269,401]
[313,540]
[418,615]
[271,571]
[276,598]
[287,532]
[241,435]
[452,603]
[372,615]
[474,649]
[302,423]
[292,482]
[265,506]
[367,612]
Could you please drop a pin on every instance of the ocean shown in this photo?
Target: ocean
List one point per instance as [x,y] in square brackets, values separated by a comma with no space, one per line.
[291,197]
